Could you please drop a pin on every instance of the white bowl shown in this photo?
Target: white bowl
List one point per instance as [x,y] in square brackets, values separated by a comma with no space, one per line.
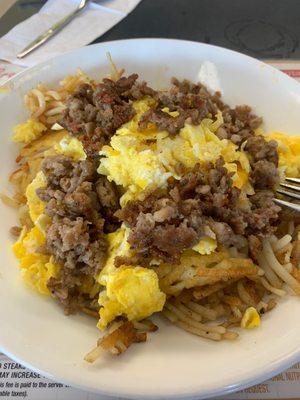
[34,330]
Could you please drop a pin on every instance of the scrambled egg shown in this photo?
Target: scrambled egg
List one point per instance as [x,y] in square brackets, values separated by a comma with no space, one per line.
[132,165]
[117,246]
[137,159]
[71,147]
[130,291]
[251,318]
[35,205]
[289,152]
[206,245]
[36,268]
[28,131]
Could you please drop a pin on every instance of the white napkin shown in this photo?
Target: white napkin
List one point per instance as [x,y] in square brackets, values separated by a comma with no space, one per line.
[92,22]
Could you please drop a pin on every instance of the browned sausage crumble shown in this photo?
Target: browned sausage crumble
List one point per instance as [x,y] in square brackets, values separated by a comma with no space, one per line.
[77,201]
[95,113]
[202,203]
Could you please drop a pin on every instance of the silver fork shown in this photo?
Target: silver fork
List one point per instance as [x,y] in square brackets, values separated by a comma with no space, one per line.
[293,184]
[52,31]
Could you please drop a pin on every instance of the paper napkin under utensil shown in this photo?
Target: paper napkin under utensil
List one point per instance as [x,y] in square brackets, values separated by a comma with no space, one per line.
[96,19]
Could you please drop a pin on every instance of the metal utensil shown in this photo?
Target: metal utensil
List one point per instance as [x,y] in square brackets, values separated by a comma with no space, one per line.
[52,31]
[293,184]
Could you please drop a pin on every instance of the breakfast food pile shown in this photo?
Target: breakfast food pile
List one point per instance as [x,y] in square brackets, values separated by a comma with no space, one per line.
[134,201]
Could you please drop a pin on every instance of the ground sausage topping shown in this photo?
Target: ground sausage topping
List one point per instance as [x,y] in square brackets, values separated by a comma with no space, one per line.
[239,123]
[193,102]
[77,201]
[264,161]
[203,203]
[94,113]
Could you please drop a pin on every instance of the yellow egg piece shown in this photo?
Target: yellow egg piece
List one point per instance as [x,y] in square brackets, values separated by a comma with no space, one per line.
[206,245]
[33,240]
[18,247]
[71,147]
[130,291]
[241,178]
[117,246]
[128,163]
[289,152]
[36,268]
[172,113]
[28,131]
[251,319]
[36,206]
[37,273]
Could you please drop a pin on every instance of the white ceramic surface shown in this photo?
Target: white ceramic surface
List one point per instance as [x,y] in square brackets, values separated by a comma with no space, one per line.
[34,330]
